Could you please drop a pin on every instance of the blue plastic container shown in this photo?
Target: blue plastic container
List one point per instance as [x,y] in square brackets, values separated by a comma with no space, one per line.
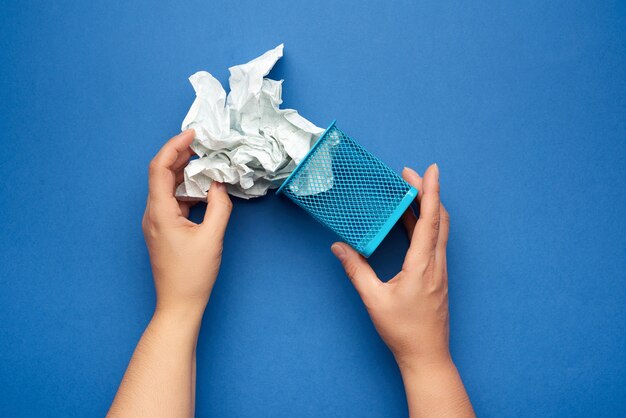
[349,190]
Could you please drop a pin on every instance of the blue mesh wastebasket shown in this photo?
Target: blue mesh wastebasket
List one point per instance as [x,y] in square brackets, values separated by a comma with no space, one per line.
[349,190]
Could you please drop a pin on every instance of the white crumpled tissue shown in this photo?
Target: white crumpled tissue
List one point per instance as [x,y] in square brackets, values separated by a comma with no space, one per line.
[244,139]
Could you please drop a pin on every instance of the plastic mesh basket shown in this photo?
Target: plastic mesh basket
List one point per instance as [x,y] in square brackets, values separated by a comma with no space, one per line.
[349,190]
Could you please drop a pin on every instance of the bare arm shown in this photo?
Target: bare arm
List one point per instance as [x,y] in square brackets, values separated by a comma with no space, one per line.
[410,311]
[185,258]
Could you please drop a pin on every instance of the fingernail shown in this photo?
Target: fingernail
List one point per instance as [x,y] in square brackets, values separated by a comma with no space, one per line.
[339,252]
[436,170]
[411,171]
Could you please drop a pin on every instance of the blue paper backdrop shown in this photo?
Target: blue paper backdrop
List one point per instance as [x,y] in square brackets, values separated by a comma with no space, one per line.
[522,104]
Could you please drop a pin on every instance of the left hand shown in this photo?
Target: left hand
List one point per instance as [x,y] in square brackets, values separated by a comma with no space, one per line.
[185,256]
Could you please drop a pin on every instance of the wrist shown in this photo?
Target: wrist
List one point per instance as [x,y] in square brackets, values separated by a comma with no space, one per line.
[420,372]
[434,387]
[412,363]
[182,315]
[174,331]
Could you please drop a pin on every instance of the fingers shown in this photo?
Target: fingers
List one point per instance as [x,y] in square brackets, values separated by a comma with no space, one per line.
[183,159]
[426,231]
[161,178]
[408,218]
[358,270]
[414,180]
[168,154]
[442,242]
[444,229]
[218,209]
[185,207]
[179,177]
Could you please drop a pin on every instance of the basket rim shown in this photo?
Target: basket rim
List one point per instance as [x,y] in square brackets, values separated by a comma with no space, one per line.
[308,154]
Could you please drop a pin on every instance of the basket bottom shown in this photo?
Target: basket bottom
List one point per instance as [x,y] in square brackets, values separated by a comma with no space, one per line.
[390,222]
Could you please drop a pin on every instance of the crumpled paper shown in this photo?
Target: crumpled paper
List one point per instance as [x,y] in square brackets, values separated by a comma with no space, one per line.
[244,139]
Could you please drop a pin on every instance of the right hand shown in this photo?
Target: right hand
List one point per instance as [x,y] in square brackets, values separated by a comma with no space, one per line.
[410,311]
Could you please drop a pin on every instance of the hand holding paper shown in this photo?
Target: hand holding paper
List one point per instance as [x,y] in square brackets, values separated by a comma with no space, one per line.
[185,259]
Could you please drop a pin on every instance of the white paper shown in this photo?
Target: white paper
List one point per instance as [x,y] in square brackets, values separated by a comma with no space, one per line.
[244,139]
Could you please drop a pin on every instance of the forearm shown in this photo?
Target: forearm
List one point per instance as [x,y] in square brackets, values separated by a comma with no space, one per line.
[160,379]
[435,389]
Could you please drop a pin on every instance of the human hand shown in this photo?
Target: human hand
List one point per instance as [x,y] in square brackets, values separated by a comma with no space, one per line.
[185,256]
[410,311]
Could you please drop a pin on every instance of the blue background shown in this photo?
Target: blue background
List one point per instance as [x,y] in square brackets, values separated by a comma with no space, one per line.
[522,104]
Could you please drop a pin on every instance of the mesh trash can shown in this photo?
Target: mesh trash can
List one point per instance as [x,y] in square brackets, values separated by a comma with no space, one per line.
[349,190]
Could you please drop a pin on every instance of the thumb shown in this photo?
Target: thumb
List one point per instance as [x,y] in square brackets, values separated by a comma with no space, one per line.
[359,271]
[218,209]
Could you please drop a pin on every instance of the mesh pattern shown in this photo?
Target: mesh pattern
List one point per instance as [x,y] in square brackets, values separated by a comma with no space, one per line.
[347,189]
